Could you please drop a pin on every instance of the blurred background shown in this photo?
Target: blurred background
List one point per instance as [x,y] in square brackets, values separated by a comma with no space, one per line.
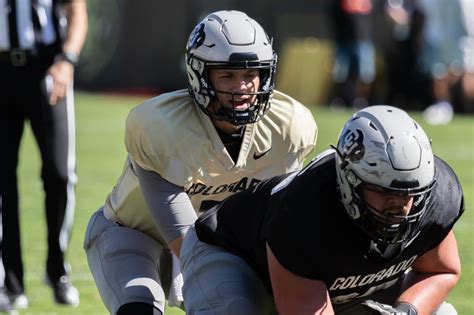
[351,53]
[334,56]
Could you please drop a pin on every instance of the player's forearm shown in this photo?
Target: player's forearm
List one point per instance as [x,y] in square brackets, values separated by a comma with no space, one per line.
[77,26]
[426,292]
[294,294]
[304,307]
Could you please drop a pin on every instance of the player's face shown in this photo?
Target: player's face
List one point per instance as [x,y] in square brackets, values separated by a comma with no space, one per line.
[387,203]
[238,81]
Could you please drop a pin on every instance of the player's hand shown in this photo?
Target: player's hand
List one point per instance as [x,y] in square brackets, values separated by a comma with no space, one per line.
[385,309]
[62,73]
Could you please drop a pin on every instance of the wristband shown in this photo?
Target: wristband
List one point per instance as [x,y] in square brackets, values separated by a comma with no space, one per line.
[70,57]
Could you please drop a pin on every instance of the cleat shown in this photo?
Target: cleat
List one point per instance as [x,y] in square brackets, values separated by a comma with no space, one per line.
[64,292]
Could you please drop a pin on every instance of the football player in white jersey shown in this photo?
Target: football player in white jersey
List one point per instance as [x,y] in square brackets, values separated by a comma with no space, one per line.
[189,149]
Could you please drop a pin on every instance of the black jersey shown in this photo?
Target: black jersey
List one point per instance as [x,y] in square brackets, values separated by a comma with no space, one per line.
[301,217]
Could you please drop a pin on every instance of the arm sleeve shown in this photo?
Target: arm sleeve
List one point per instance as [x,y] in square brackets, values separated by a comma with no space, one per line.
[170,206]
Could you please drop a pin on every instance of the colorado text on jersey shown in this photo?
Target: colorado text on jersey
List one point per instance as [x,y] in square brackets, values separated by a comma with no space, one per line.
[355,281]
[242,184]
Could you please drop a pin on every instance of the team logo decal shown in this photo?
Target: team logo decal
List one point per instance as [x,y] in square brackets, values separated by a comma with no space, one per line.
[197,38]
[353,145]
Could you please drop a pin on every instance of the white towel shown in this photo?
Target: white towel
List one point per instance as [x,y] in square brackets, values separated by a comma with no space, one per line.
[175,297]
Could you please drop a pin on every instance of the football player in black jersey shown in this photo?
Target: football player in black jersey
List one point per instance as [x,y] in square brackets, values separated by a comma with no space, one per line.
[365,228]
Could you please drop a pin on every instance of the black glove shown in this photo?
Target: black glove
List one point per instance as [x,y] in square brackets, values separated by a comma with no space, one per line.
[384,309]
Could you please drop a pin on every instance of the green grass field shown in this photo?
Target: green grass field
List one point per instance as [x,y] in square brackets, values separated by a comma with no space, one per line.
[100,155]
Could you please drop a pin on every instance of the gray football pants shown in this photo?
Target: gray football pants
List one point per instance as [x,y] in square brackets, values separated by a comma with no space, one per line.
[127,265]
[219,283]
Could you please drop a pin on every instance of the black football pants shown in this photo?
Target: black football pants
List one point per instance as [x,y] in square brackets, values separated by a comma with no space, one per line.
[24,96]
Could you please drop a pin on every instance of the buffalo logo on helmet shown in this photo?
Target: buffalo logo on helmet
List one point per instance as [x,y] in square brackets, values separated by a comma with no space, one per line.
[197,38]
[353,145]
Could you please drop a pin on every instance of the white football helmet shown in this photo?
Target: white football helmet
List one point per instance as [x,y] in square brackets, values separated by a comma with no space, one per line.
[230,39]
[383,146]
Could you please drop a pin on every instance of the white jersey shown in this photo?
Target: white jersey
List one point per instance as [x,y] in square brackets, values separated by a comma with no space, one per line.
[171,136]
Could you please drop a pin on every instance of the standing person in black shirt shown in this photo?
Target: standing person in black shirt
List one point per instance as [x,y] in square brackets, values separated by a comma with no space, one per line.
[363,229]
[40,43]
[354,60]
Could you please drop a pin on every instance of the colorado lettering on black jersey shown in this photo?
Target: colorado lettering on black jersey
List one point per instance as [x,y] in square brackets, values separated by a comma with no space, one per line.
[357,281]
[202,189]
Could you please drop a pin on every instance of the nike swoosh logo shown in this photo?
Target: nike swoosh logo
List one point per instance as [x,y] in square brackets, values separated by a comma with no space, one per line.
[257,156]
